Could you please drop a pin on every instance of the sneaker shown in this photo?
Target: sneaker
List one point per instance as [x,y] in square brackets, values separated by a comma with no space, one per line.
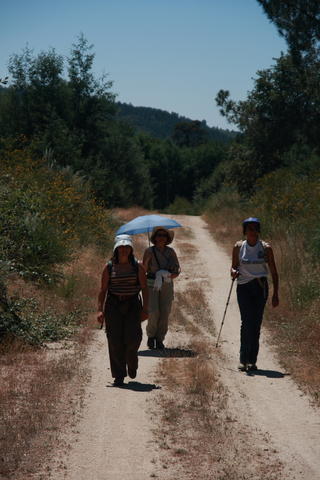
[150,343]
[159,345]
[118,382]
[252,367]
[243,367]
[132,373]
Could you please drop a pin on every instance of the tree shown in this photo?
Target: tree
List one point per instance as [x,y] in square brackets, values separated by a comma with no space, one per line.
[282,110]
[298,21]
[189,134]
[92,100]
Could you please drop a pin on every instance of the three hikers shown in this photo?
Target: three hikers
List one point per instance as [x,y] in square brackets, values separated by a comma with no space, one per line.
[123,279]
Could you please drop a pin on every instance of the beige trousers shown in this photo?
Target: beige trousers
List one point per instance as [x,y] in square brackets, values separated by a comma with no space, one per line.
[159,310]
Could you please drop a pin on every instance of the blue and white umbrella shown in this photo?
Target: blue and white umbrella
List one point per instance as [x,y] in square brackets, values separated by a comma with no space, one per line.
[146,223]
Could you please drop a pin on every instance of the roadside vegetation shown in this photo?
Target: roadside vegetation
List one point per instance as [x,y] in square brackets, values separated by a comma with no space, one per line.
[54,239]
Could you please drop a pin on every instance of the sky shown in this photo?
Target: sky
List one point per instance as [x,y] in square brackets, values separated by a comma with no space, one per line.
[169,54]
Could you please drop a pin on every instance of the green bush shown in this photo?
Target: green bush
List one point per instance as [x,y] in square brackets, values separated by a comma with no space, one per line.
[182,206]
[21,318]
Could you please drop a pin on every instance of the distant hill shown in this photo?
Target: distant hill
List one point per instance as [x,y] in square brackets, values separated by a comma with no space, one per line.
[160,123]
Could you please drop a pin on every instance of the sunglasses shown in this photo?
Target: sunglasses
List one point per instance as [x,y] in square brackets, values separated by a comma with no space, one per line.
[161,235]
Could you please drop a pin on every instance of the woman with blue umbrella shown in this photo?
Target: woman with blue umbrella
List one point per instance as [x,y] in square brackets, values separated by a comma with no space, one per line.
[162,266]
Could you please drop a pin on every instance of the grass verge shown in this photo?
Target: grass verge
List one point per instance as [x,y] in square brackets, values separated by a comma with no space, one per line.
[41,388]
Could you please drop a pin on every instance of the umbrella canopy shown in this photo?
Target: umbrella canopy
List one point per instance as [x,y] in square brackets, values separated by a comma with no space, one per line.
[146,223]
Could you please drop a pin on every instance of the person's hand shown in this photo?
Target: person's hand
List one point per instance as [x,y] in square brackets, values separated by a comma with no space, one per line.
[144,315]
[275,300]
[234,273]
[100,318]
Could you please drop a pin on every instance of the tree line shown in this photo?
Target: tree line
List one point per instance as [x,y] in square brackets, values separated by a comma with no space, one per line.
[72,119]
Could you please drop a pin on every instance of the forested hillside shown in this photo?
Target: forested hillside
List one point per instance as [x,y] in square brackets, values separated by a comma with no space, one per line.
[161,124]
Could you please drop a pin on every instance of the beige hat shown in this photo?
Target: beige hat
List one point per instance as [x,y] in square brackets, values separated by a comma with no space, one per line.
[170,234]
[122,240]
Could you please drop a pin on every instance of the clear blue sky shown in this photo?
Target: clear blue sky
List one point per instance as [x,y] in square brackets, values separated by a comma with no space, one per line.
[169,54]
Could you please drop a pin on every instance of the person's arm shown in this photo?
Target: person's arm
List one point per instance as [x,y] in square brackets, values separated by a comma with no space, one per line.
[102,294]
[146,259]
[274,275]
[177,273]
[234,271]
[144,291]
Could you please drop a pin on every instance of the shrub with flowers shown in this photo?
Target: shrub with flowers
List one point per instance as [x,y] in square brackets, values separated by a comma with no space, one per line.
[46,216]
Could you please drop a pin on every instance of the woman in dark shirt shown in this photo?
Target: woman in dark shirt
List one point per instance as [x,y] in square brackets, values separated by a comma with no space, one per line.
[119,305]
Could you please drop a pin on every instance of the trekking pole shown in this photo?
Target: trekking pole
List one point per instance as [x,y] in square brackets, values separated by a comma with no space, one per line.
[225,311]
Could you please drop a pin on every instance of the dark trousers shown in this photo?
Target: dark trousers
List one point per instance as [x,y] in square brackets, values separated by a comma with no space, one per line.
[124,333]
[252,297]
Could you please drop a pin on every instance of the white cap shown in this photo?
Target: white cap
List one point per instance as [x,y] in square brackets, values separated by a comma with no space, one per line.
[122,240]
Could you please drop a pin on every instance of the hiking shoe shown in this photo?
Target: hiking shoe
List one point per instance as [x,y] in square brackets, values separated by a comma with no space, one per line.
[118,382]
[132,372]
[150,343]
[252,367]
[159,345]
[243,367]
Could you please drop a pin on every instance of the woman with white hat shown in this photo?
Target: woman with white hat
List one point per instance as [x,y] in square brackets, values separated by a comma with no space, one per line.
[251,260]
[119,305]
[162,266]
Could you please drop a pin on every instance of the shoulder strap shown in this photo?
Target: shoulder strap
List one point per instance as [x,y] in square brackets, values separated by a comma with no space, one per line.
[136,265]
[109,265]
[155,256]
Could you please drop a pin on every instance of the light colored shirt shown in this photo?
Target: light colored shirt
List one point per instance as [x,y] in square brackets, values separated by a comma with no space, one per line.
[252,262]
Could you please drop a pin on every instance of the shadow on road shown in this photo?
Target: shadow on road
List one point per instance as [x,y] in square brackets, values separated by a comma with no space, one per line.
[136,386]
[141,387]
[268,374]
[168,353]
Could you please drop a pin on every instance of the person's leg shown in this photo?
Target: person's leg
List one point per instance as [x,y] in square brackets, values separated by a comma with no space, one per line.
[115,336]
[153,318]
[245,305]
[260,295]
[133,335]
[165,303]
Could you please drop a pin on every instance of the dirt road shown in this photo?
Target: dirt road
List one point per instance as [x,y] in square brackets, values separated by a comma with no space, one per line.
[114,438]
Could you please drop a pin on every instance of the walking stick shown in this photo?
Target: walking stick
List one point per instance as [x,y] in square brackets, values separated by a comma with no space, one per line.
[225,311]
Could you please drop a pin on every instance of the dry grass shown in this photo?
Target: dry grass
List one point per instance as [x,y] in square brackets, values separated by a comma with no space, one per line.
[77,290]
[35,396]
[197,435]
[40,390]
[127,214]
[194,305]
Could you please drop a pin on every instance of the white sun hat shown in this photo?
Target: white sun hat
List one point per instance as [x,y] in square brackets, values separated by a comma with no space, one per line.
[122,241]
